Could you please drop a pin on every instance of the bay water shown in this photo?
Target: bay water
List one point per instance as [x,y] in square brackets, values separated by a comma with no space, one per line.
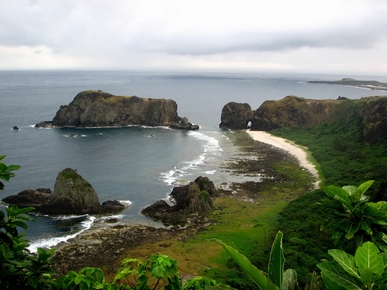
[136,164]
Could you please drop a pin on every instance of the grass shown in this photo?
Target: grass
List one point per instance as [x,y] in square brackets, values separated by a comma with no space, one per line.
[246,220]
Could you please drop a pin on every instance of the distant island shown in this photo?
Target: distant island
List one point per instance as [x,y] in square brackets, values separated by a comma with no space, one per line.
[372,85]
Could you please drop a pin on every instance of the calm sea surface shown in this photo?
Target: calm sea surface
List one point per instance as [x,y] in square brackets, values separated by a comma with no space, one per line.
[124,163]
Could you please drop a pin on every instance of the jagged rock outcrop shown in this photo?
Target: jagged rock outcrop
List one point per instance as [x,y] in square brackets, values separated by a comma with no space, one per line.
[72,195]
[369,113]
[236,116]
[101,109]
[193,198]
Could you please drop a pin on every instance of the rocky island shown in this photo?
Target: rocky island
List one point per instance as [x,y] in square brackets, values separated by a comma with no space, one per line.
[96,108]
[372,85]
[72,195]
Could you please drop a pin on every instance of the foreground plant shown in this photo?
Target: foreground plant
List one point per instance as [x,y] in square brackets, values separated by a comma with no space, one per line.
[355,216]
[366,270]
[276,277]
[6,171]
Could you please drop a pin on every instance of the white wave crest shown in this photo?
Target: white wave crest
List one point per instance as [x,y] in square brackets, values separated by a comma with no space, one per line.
[53,241]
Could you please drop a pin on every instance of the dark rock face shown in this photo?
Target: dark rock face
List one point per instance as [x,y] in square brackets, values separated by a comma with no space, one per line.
[294,112]
[72,195]
[112,206]
[375,120]
[183,124]
[196,197]
[28,198]
[100,109]
[236,116]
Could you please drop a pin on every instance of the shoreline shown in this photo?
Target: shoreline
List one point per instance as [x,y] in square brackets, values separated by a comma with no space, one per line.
[291,148]
[106,245]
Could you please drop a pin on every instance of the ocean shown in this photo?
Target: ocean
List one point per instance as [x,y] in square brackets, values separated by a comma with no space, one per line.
[124,163]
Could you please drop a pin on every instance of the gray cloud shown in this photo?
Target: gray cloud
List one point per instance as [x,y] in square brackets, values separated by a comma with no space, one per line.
[102,29]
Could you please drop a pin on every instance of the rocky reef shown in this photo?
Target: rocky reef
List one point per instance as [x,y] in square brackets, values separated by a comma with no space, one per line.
[100,109]
[72,195]
[295,112]
[193,198]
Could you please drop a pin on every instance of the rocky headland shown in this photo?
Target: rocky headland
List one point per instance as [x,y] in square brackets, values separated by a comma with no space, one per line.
[372,85]
[96,108]
[295,112]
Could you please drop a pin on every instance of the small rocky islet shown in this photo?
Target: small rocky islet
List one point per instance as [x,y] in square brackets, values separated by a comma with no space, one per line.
[96,108]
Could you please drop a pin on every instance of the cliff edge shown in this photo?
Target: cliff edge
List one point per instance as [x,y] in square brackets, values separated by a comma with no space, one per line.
[369,113]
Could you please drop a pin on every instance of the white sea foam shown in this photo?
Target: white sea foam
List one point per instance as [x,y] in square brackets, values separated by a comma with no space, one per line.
[211,150]
[51,242]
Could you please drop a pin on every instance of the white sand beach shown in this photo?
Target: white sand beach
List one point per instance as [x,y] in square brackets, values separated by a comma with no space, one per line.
[284,144]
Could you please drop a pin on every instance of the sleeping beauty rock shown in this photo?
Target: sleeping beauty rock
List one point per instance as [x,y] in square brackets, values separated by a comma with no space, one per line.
[72,195]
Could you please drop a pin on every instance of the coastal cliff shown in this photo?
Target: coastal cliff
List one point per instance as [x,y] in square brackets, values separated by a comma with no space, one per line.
[294,112]
[100,109]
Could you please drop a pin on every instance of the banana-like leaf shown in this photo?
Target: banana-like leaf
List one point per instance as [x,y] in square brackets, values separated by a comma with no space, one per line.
[335,275]
[367,256]
[346,261]
[276,261]
[253,272]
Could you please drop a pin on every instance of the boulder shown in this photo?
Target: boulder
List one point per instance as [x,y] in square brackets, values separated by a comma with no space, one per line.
[72,195]
[193,198]
[236,116]
[111,206]
[29,197]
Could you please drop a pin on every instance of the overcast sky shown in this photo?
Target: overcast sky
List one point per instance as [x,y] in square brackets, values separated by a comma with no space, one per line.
[328,36]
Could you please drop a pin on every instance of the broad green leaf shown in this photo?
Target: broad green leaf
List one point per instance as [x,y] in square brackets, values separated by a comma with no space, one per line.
[339,194]
[366,227]
[352,230]
[158,272]
[253,272]
[362,188]
[346,261]
[350,189]
[380,205]
[367,256]
[368,277]
[289,281]
[337,275]
[276,261]
[13,167]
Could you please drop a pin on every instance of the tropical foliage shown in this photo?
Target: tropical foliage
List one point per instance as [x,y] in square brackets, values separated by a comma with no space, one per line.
[353,216]
[276,277]
[366,270]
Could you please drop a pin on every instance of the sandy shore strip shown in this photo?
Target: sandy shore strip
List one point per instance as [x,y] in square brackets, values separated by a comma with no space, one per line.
[284,144]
